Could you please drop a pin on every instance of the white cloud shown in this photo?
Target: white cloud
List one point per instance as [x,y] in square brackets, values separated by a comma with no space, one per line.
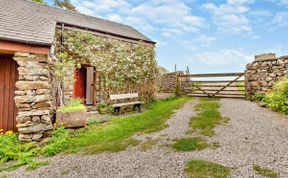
[172,16]
[284,2]
[239,1]
[224,57]
[115,18]
[205,41]
[281,19]
[230,17]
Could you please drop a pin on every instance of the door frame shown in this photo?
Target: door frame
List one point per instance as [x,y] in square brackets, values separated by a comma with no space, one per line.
[94,89]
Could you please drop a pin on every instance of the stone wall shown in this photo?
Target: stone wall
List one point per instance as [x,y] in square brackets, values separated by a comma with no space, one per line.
[168,82]
[264,71]
[33,97]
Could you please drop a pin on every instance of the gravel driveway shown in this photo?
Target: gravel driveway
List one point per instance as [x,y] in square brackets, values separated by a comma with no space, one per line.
[254,135]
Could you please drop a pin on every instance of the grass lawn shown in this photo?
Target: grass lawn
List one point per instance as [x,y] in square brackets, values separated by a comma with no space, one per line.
[190,144]
[116,135]
[265,172]
[203,169]
[208,117]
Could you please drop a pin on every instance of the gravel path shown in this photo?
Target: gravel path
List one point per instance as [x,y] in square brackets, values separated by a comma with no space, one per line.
[254,135]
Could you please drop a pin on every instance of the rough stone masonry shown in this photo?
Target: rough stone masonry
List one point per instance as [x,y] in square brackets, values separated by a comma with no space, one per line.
[264,71]
[33,97]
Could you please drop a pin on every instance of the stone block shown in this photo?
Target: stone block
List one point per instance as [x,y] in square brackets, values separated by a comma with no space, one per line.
[33,71]
[46,119]
[30,85]
[31,99]
[71,119]
[35,128]
[33,113]
[265,56]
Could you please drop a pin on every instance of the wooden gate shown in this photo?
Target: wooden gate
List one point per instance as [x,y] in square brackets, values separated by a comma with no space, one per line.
[225,85]
[8,77]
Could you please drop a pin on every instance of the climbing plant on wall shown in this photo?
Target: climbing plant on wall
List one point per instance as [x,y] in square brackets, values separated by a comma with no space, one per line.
[120,63]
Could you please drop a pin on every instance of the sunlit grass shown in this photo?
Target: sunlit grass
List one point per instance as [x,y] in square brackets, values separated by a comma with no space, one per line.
[265,172]
[116,135]
[190,144]
[205,169]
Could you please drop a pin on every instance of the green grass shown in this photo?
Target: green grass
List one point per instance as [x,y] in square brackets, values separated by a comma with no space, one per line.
[36,164]
[72,108]
[207,99]
[116,135]
[204,169]
[147,145]
[240,88]
[190,144]
[265,172]
[208,117]
[207,105]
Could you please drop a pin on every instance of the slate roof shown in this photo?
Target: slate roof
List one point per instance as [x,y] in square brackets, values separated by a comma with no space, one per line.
[33,23]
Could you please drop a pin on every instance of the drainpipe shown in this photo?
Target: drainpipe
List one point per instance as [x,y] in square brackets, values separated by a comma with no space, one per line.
[62,36]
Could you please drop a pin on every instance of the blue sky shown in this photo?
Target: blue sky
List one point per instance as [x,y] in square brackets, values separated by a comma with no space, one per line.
[206,35]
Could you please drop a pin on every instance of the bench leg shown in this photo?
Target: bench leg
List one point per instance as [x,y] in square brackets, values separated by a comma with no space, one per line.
[138,106]
[117,110]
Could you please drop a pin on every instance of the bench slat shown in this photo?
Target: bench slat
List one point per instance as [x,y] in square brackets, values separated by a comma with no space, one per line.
[126,104]
[124,96]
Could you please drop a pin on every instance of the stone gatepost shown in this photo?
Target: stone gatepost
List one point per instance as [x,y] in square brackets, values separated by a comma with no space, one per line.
[264,71]
[33,97]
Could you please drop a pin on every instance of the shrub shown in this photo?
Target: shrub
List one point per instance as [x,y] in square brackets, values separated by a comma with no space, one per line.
[278,97]
[59,141]
[259,96]
[12,149]
[104,108]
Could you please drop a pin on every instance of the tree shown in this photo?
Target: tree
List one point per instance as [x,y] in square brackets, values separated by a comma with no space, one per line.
[41,2]
[65,4]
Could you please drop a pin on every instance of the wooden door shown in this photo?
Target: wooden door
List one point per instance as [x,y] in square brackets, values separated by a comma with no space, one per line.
[80,77]
[8,77]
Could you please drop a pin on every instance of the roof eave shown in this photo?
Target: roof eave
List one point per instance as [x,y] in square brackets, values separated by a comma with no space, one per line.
[109,33]
[27,42]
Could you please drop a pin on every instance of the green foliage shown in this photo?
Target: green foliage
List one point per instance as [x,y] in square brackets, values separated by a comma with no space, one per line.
[40,2]
[65,4]
[12,149]
[91,120]
[75,104]
[59,141]
[203,169]
[278,97]
[104,108]
[206,120]
[116,135]
[265,172]
[190,144]
[259,96]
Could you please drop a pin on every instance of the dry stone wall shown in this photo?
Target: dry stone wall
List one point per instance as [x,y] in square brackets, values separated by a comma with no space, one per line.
[33,97]
[168,82]
[264,71]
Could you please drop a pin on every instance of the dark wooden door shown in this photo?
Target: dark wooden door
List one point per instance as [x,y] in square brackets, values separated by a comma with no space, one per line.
[8,77]
[80,77]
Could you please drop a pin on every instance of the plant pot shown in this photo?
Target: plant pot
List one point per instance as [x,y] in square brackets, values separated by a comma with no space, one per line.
[71,119]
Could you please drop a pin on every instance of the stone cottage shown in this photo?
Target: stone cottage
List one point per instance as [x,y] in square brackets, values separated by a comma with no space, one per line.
[28,48]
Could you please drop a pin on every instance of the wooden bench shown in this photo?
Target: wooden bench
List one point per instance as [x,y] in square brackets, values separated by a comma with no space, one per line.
[120,99]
